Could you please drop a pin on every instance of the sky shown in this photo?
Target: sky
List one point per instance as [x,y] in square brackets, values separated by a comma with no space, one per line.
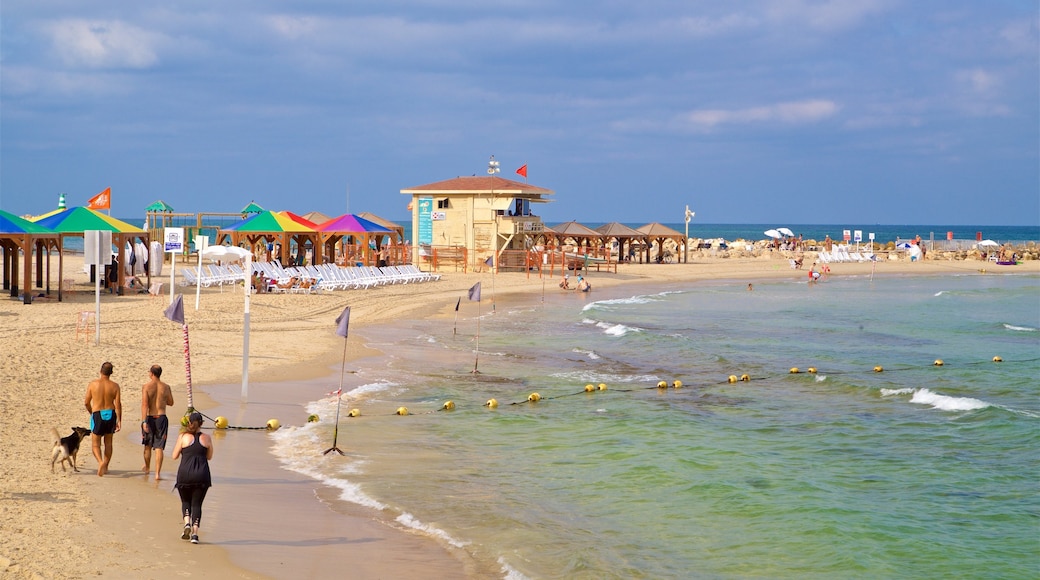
[785,111]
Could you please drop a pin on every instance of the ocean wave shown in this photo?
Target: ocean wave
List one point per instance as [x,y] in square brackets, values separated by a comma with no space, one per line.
[639,299]
[294,448]
[589,353]
[937,401]
[408,520]
[509,572]
[369,388]
[1019,328]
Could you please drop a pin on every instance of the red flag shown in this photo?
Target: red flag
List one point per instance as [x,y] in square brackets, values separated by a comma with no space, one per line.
[522,170]
[102,200]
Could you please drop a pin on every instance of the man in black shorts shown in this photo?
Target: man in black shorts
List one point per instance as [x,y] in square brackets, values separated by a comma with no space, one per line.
[155,397]
[105,405]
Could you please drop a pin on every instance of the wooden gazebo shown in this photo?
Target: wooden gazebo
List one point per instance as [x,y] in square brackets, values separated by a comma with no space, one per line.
[655,232]
[20,238]
[624,235]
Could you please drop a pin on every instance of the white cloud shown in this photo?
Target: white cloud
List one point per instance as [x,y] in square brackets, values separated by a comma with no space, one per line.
[102,44]
[827,16]
[795,112]
[978,80]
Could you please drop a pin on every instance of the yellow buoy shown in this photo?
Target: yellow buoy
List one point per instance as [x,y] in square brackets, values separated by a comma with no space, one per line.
[491,404]
[603,386]
[589,388]
[449,406]
[745,378]
[938,362]
[401,411]
[312,418]
[878,369]
[997,359]
[534,397]
[273,424]
[221,423]
[676,384]
[354,413]
[811,370]
[662,385]
[732,378]
[795,370]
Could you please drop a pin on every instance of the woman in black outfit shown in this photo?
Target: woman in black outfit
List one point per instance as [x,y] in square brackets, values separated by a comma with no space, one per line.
[193,478]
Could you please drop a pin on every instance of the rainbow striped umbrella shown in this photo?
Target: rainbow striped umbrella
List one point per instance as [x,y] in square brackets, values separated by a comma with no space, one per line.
[77,220]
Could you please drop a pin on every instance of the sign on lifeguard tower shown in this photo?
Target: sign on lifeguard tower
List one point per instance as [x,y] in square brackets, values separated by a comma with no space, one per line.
[173,240]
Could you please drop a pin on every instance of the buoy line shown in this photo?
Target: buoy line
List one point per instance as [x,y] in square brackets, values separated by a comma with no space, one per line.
[221,423]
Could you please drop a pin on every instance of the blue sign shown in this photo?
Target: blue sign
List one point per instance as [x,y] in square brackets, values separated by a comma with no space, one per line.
[426,220]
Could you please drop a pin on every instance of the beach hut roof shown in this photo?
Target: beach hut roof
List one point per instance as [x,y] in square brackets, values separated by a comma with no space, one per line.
[270,222]
[253,207]
[316,217]
[160,205]
[618,230]
[479,184]
[12,224]
[574,229]
[77,220]
[656,230]
[352,224]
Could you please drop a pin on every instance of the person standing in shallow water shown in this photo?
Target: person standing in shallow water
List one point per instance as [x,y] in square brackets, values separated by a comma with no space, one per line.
[105,405]
[193,476]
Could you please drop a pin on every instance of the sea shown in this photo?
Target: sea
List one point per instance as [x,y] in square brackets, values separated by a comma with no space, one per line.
[899,449]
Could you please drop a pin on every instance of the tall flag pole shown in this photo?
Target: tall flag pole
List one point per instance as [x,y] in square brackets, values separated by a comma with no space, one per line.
[474,294]
[342,324]
[455,328]
[175,312]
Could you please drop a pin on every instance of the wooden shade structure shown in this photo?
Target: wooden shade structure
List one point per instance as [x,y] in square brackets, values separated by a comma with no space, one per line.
[655,232]
[270,227]
[19,238]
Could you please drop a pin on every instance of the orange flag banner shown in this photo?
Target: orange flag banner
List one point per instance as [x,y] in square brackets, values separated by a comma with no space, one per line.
[522,170]
[102,200]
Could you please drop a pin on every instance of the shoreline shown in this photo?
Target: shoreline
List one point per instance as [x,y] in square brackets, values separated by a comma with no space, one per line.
[136,525]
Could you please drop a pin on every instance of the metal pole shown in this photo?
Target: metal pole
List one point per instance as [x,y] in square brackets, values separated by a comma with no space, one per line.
[245,333]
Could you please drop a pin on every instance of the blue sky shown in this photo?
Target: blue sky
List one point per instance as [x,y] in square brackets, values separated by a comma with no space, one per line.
[791,111]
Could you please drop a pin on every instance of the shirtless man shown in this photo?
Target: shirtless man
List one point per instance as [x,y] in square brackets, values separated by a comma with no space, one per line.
[155,396]
[105,405]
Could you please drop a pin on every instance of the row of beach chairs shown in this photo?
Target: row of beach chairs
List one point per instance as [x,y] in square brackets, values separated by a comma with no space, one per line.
[307,279]
[842,254]
[318,278]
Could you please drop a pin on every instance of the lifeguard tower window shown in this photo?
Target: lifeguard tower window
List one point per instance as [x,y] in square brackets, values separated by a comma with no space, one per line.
[521,207]
[443,204]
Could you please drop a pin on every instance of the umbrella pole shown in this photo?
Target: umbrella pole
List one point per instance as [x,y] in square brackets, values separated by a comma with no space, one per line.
[339,398]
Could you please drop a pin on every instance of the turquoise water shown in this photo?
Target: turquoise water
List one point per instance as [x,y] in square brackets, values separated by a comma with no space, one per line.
[917,471]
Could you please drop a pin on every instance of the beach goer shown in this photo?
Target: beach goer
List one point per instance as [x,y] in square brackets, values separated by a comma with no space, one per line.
[750,288]
[583,285]
[193,476]
[105,404]
[155,397]
[829,243]
[566,282]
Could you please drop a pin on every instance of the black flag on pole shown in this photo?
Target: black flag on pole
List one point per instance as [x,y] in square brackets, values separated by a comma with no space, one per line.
[343,321]
[474,292]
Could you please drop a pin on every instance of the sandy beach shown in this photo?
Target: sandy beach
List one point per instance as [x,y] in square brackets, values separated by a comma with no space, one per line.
[260,520]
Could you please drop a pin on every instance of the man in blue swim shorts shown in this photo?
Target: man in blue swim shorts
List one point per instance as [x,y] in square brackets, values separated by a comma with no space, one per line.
[105,405]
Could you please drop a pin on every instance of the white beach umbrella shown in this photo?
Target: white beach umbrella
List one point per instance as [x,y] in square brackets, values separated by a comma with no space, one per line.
[785,231]
[773,234]
[987,243]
